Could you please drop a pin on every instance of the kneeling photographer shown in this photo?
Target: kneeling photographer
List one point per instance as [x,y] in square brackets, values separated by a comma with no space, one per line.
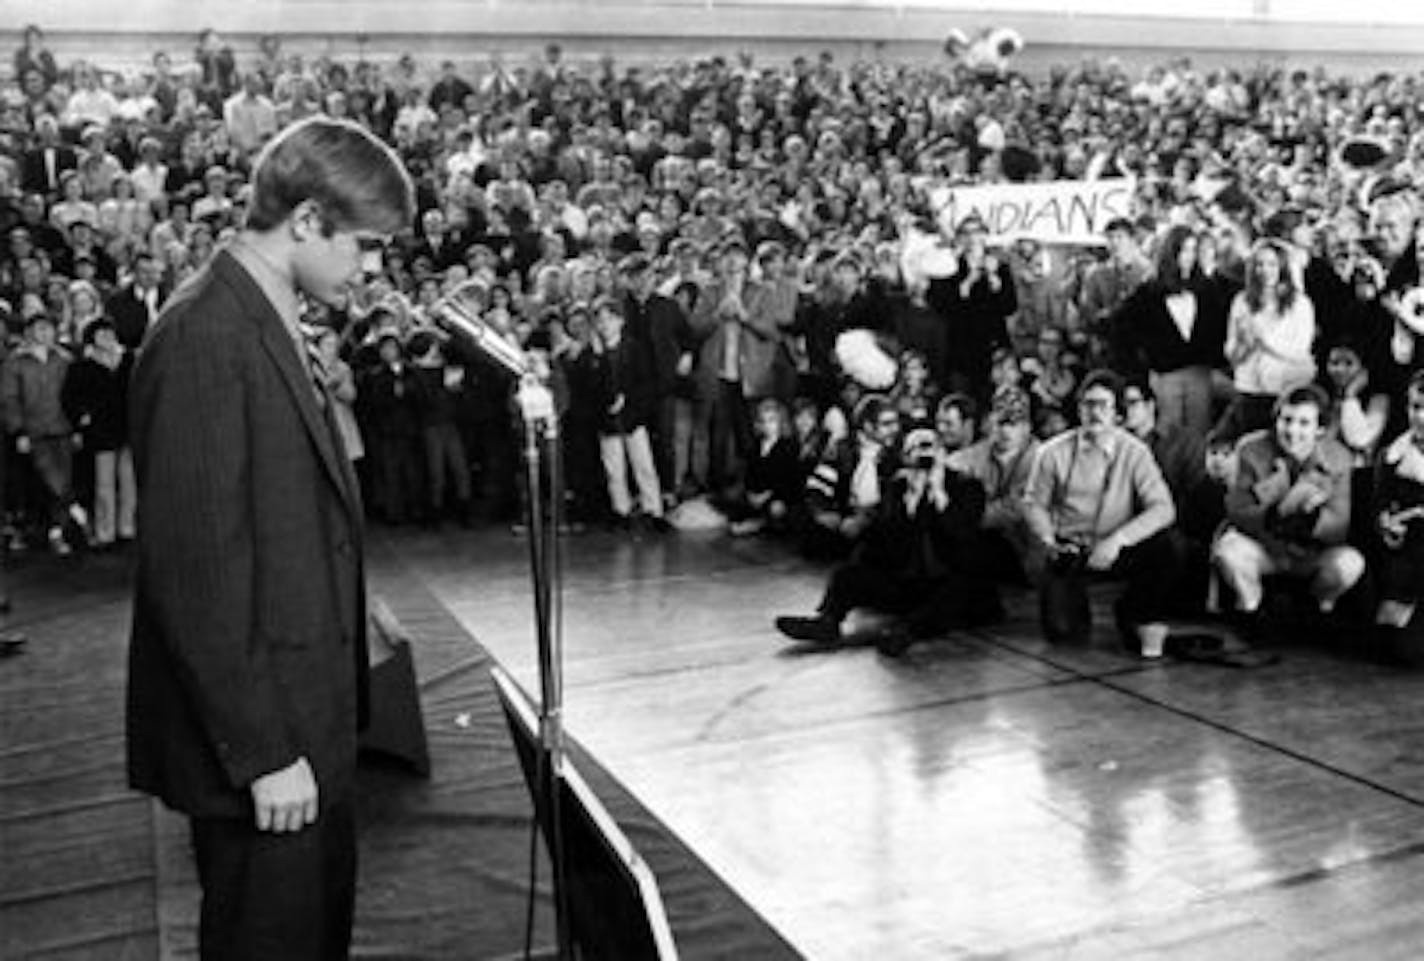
[914,559]
[1098,504]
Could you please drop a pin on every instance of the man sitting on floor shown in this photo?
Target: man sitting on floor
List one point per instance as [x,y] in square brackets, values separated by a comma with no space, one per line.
[914,558]
[1289,510]
[1096,500]
[1001,463]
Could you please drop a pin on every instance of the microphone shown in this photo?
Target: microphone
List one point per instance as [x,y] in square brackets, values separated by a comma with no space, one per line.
[461,312]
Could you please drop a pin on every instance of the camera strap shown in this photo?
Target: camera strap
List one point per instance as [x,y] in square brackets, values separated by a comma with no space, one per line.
[1061,494]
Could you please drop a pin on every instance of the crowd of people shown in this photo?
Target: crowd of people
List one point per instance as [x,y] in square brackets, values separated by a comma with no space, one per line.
[749,304]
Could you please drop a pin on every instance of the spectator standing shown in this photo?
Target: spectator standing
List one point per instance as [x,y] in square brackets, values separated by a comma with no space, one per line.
[660,328]
[1107,284]
[43,165]
[976,303]
[249,116]
[90,103]
[34,56]
[96,393]
[1269,341]
[626,403]
[134,307]
[438,387]
[1173,328]
[393,426]
[31,390]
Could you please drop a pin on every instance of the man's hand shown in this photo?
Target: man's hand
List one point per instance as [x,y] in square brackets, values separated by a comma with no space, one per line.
[1303,498]
[1105,554]
[1273,486]
[22,444]
[285,800]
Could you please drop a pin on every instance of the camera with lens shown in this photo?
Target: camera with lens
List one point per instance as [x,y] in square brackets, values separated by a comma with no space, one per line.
[920,450]
[1069,557]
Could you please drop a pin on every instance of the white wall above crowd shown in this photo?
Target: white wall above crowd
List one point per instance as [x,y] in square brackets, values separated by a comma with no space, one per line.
[1363,36]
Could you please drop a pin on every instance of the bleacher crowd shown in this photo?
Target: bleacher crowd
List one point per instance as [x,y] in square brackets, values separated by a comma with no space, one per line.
[681,249]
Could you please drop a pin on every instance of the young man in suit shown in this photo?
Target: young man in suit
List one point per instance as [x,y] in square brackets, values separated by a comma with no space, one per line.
[247,660]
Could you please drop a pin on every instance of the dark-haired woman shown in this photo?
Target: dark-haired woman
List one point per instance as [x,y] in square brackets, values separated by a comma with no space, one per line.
[1173,328]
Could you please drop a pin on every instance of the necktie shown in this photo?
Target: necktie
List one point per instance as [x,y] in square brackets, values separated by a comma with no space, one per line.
[51,175]
[316,366]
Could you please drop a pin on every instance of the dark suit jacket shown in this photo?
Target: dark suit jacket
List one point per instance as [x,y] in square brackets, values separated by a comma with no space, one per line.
[248,647]
[32,168]
[130,316]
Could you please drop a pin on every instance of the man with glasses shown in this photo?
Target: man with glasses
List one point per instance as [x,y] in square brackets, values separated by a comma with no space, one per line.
[247,658]
[1097,503]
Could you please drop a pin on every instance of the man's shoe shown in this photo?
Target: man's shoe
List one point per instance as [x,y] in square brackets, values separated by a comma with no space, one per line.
[817,630]
[11,643]
[660,525]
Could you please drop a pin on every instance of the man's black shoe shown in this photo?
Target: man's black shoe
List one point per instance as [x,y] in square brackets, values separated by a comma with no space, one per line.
[11,643]
[818,629]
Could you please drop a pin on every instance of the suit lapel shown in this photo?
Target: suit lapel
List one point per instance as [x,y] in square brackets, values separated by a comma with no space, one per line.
[283,352]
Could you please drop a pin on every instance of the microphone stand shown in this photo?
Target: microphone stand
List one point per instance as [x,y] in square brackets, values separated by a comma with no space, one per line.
[544,489]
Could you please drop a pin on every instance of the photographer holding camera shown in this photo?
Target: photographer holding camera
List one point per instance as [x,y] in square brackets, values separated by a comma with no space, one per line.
[914,559]
[1097,502]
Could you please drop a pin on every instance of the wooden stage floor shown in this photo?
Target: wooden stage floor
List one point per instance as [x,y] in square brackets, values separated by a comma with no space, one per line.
[987,796]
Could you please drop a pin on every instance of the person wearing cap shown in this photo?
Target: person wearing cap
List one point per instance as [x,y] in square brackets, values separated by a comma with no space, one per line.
[914,559]
[1097,504]
[248,663]
[1001,462]
[31,399]
[976,303]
